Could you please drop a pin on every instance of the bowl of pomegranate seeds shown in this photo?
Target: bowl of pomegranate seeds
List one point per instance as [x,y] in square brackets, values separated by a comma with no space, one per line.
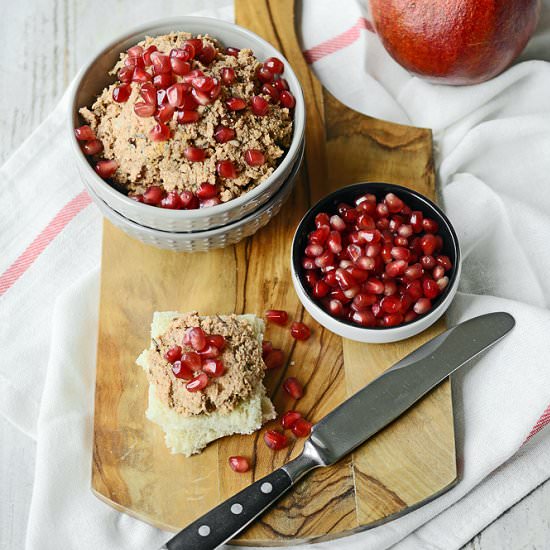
[188,124]
[375,262]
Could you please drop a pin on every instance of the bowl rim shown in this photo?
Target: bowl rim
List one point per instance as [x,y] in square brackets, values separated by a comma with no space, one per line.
[286,187]
[180,21]
[361,188]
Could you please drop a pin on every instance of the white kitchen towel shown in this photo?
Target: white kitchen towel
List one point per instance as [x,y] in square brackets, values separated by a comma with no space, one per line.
[491,141]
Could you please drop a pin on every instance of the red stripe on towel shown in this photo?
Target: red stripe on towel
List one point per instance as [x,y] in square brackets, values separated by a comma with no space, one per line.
[44,238]
[338,42]
[541,422]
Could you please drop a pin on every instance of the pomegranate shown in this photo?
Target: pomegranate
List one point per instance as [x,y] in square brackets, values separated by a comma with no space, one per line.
[455,41]
[274,359]
[213,367]
[259,106]
[289,418]
[122,93]
[84,133]
[300,331]
[236,104]
[254,157]
[239,464]
[106,168]
[275,440]
[226,169]
[153,195]
[185,117]
[181,370]
[92,147]
[301,428]
[277,316]
[223,134]
[194,154]
[293,387]
[207,191]
[198,383]
[173,354]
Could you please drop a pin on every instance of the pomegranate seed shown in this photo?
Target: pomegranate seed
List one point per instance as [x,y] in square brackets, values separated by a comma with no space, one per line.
[289,418]
[382,210]
[374,286]
[299,331]
[122,93]
[438,243]
[321,219]
[235,104]
[233,52]
[92,147]
[216,340]
[175,94]
[330,279]
[275,65]
[160,132]
[188,78]
[337,223]
[345,279]
[429,225]
[363,301]
[287,100]
[264,74]
[84,133]
[390,304]
[223,134]
[308,263]
[336,308]
[392,319]
[135,51]
[192,46]
[186,117]
[281,84]
[430,288]
[254,157]
[195,337]
[181,370]
[203,83]
[414,290]
[414,271]
[165,113]
[405,231]
[125,74]
[445,262]
[442,283]
[140,75]
[148,93]
[153,195]
[210,352]
[377,310]
[428,244]
[396,268]
[334,242]
[198,383]
[226,169]
[400,253]
[213,367]
[394,203]
[106,168]
[239,464]
[428,262]
[275,359]
[163,80]
[144,110]
[271,91]
[313,250]
[173,354]
[277,316]
[188,200]
[194,154]
[423,305]
[320,235]
[416,221]
[373,250]
[390,288]
[325,259]
[364,221]
[228,75]
[207,54]
[293,387]
[192,360]
[438,272]
[214,201]
[171,201]
[301,428]
[206,191]
[275,440]
[267,347]
[134,62]
[320,289]
[259,106]
[364,318]
[179,66]
[161,63]
[410,316]
[147,55]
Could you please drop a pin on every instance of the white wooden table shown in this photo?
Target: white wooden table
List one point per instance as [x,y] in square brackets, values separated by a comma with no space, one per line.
[44,45]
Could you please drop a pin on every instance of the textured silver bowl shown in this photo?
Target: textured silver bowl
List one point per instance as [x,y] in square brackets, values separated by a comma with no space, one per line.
[94,77]
[202,241]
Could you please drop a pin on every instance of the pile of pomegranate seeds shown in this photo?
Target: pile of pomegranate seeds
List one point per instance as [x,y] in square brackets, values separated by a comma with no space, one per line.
[175,85]
[376,263]
[197,359]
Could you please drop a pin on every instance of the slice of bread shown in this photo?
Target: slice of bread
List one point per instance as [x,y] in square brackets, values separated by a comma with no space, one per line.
[188,435]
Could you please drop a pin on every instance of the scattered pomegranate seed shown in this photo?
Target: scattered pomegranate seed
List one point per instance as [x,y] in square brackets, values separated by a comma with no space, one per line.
[173,354]
[198,383]
[106,168]
[301,428]
[228,75]
[293,387]
[223,134]
[188,200]
[160,132]
[259,106]
[267,347]
[207,54]
[234,52]
[153,195]
[213,367]
[264,74]
[271,91]
[92,147]
[144,110]
[171,201]
[254,157]
[125,74]
[165,113]
[239,464]
[216,340]
[226,169]
[281,84]
[275,65]
[275,440]
[274,359]
[181,370]
[122,93]
[430,288]
[235,104]
[300,331]
[423,305]
[210,352]
[287,99]
[277,316]
[194,154]
[186,117]
[207,191]
[289,418]
[84,133]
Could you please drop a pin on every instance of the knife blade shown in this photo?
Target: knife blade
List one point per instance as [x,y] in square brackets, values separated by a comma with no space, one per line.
[339,432]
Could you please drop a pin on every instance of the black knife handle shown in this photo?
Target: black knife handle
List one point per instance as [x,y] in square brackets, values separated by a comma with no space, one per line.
[233,515]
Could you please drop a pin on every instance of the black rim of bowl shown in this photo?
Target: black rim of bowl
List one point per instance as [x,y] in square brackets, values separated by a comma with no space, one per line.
[348,194]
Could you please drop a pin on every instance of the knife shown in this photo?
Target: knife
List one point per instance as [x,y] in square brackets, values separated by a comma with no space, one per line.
[338,433]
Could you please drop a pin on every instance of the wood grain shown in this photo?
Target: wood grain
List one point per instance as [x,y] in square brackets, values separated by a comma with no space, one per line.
[403,466]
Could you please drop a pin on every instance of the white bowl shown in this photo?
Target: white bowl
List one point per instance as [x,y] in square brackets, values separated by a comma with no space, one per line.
[376,335]
[202,241]
[94,77]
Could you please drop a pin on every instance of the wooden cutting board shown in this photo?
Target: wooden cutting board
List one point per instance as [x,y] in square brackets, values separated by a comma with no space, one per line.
[407,464]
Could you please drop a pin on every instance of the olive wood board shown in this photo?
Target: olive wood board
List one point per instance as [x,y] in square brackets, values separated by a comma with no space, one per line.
[405,465]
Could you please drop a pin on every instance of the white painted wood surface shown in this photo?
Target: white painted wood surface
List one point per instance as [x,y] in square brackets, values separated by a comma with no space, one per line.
[45,42]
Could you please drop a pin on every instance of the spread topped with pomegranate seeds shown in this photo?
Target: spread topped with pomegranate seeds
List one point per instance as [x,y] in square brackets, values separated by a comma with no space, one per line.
[205,364]
[189,123]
